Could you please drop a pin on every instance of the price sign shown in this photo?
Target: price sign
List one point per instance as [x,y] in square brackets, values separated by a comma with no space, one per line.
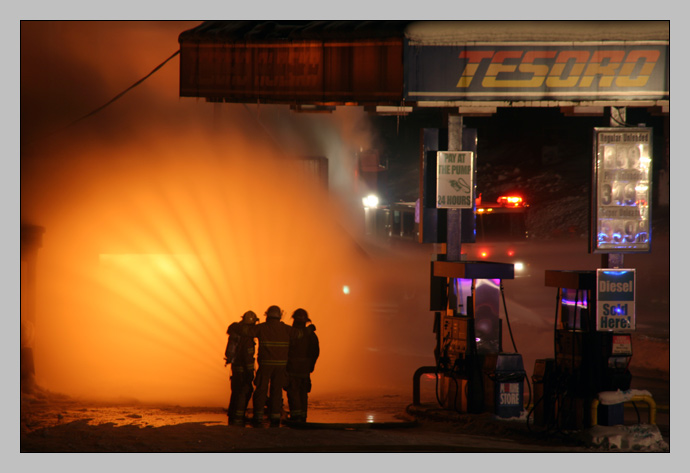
[622,190]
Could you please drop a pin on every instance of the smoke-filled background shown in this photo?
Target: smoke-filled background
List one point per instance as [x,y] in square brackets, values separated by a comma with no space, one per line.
[166,218]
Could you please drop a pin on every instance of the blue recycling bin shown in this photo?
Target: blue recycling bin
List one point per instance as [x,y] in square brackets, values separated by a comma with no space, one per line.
[509,378]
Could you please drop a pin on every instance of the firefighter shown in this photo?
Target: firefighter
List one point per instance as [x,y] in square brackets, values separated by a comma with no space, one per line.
[239,353]
[302,356]
[274,342]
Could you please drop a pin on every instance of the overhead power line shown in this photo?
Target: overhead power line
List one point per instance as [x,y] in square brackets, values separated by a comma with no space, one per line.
[118,96]
[93,112]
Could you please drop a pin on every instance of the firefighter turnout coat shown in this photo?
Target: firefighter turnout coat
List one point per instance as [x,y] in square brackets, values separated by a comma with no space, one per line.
[274,343]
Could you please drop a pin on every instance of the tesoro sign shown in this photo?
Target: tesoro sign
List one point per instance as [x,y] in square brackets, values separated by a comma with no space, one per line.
[536,72]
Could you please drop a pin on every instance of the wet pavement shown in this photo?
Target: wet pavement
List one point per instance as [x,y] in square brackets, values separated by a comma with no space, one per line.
[349,422]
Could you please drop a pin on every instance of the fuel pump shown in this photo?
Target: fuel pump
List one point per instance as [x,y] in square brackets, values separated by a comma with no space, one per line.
[468,331]
[592,351]
[464,294]
[595,310]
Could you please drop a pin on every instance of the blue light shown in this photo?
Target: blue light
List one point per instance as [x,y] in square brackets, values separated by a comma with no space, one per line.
[580,304]
[617,273]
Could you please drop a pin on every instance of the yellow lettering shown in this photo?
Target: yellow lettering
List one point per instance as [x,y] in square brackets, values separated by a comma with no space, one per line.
[538,71]
[474,58]
[649,58]
[577,59]
[467,75]
[612,61]
[497,66]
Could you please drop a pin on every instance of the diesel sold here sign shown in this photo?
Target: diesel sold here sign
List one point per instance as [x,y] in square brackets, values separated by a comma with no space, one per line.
[615,299]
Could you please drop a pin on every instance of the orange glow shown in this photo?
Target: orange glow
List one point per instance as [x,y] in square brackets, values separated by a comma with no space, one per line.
[139,282]
[166,219]
[484,254]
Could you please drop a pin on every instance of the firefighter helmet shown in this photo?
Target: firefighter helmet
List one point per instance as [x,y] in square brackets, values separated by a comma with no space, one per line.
[301,315]
[274,312]
[249,317]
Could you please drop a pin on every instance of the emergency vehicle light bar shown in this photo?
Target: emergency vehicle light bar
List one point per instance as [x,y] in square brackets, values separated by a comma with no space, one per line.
[510,200]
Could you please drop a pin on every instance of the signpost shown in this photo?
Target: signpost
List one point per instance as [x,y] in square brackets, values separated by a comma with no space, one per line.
[455,180]
[615,300]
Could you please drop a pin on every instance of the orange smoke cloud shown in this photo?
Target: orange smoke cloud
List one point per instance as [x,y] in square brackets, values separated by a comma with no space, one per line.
[150,253]
[166,219]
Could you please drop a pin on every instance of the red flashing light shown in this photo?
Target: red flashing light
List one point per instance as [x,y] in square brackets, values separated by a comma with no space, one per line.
[511,253]
[510,200]
[484,254]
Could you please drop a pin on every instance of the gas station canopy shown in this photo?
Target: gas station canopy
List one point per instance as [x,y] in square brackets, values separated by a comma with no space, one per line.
[394,66]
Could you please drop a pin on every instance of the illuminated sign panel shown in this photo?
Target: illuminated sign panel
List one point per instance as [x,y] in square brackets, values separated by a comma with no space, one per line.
[455,180]
[622,190]
[536,72]
[615,300]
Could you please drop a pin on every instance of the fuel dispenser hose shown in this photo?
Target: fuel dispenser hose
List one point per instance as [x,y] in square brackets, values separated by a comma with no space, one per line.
[440,368]
[505,309]
[510,331]
[555,327]
[560,391]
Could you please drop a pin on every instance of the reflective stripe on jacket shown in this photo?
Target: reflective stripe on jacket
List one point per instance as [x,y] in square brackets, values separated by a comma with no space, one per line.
[274,342]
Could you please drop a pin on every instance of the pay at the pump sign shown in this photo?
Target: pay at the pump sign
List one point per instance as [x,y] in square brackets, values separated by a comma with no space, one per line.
[454,180]
[615,300]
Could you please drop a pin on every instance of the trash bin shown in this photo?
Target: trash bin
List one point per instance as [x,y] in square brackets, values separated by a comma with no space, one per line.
[509,378]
